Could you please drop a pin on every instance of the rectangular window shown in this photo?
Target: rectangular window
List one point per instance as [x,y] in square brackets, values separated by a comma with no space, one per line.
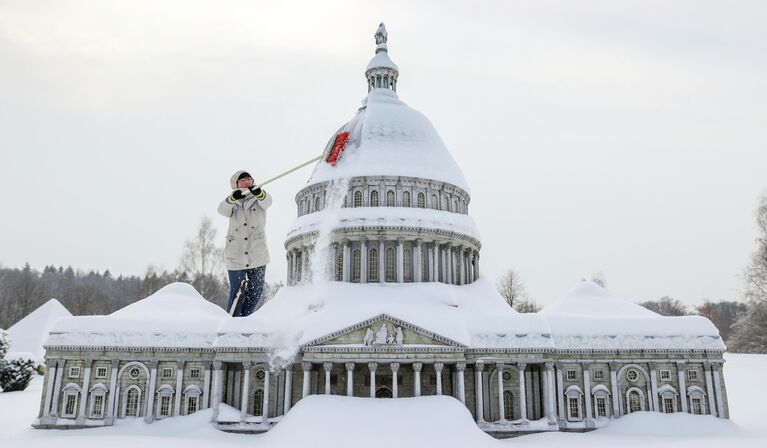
[164,405]
[191,405]
[194,374]
[692,375]
[101,372]
[574,408]
[97,410]
[74,372]
[665,375]
[167,372]
[70,405]
[572,375]
[599,375]
[696,405]
[668,405]
[600,407]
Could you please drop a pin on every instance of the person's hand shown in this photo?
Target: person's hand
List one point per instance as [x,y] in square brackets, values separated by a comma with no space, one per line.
[236,195]
[255,190]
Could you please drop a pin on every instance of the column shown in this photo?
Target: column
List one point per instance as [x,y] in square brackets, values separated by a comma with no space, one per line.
[290,268]
[587,395]
[381,262]
[710,389]
[549,406]
[347,261]
[417,274]
[84,392]
[522,392]
[682,385]
[460,367]
[434,265]
[476,267]
[149,414]
[400,265]
[461,277]
[113,392]
[288,388]
[438,366]
[471,266]
[349,379]
[616,399]
[417,366]
[217,387]
[57,388]
[372,366]
[478,392]
[394,368]
[307,366]
[501,406]
[51,369]
[449,263]
[654,385]
[327,366]
[718,390]
[179,378]
[364,260]
[307,263]
[245,395]
[560,395]
[265,415]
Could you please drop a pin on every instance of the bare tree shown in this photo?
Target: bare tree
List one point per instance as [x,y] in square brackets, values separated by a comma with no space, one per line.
[201,256]
[666,306]
[599,279]
[723,315]
[511,287]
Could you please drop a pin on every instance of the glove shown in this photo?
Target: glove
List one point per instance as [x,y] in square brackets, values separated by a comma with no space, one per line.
[257,192]
[236,195]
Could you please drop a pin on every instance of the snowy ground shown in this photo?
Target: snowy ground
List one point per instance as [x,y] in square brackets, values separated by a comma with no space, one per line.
[428,421]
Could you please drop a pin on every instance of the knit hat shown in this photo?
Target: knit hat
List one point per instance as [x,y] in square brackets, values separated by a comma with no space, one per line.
[239,174]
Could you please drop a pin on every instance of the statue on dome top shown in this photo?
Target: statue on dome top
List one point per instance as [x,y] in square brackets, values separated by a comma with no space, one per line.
[381,35]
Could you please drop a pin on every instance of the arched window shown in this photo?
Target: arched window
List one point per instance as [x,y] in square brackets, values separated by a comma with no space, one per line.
[258,402]
[445,204]
[434,202]
[317,204]
[339,264]
[358,199]
[374,198]
[132,402]
[455,206]
[192,399]
[508,405]
[356,265]
[421,200]
[406,199]
[697,400]
[69,404]
[635,402]
[391,272]
[98,400]
[373,265]
[390,199]
[407,265]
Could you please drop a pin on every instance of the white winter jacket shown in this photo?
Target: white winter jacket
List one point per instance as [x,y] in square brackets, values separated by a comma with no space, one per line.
[246,241]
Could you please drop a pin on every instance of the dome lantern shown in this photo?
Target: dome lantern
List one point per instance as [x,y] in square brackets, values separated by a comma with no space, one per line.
[381,72]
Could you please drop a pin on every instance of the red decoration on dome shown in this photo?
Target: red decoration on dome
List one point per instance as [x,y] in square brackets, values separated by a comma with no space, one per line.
[338,147]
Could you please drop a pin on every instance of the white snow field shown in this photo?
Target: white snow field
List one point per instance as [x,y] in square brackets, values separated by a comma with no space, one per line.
[339,422]
[29,334]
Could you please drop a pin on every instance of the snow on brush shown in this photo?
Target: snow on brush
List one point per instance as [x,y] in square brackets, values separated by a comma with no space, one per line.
[175,316]
[28,335]
[339,422]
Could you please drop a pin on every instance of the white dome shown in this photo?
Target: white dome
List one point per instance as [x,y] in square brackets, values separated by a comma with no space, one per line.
[381,60]
[388,138]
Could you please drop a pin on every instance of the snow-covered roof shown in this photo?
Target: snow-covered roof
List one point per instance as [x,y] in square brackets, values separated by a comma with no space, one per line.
[175,316]
[386,217]
[387,137]
[381,59]
[589,316]
[29,334]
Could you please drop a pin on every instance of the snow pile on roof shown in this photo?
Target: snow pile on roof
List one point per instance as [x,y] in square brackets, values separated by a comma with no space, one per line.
[29,334]
[175,316]
[386,217]
[351,422]
[471,315]
[590,317]
[381,60]
[387,137]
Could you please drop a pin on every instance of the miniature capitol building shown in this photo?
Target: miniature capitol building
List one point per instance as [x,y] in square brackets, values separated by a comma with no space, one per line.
[384,300]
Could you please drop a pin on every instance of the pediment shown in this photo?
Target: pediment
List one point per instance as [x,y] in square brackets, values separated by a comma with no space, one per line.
[383,331]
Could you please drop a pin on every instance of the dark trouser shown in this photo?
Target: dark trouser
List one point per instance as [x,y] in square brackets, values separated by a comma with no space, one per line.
[246,288]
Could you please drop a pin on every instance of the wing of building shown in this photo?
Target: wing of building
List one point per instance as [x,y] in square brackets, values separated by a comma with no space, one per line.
[385,299]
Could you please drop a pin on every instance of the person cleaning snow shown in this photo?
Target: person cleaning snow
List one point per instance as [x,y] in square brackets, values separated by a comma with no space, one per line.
[245,253]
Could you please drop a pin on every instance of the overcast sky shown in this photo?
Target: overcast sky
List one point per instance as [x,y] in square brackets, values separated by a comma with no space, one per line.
[626,138]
